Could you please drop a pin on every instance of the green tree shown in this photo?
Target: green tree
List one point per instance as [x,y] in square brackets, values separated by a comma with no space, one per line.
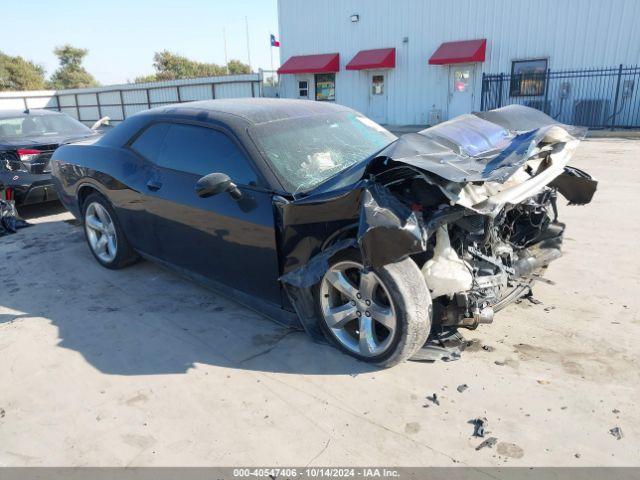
[170,66]
[145,78]
[236,67]
[71,73]
[16,73]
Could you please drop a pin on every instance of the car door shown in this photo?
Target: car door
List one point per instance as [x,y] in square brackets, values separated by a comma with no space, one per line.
[230,241]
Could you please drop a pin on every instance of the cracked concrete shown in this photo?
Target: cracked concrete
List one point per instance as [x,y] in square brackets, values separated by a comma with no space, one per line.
[141,367]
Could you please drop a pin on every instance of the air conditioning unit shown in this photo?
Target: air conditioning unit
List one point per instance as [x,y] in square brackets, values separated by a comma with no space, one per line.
[590,112]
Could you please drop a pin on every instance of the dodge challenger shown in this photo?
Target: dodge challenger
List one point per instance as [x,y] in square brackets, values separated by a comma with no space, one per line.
[27,140]
[317,217]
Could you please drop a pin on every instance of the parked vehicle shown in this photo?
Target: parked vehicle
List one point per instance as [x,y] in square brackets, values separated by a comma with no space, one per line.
[27,141]
[316,216]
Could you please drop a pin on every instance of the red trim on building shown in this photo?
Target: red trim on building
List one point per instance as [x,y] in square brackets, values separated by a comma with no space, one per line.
[373,59]
[467,51]
[323,63]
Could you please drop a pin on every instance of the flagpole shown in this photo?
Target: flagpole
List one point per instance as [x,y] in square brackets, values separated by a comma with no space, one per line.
[246,23]
[271,52]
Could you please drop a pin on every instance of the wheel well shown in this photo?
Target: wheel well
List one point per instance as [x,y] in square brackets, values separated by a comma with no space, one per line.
[344,232]
[83,193]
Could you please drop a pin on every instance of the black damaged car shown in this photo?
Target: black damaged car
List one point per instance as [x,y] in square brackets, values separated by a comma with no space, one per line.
[317,217]
[27,140]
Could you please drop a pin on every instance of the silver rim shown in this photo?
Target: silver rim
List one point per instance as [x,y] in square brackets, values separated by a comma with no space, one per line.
[357,308]
[101,232]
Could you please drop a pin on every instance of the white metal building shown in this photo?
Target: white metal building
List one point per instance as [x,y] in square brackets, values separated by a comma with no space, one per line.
[410,61]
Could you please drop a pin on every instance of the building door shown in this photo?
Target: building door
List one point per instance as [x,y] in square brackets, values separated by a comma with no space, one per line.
[377,97]
[302,87]
[461,88]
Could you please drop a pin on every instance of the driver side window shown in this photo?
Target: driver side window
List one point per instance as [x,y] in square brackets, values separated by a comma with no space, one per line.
[196,150]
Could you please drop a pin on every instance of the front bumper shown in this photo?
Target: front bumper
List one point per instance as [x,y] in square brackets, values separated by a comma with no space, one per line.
[29,188]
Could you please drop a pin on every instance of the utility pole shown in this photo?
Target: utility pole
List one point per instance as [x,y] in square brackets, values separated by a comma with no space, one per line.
[246,23]
[226,60]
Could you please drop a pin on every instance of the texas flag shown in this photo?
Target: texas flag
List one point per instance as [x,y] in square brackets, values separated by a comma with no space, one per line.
[274,42]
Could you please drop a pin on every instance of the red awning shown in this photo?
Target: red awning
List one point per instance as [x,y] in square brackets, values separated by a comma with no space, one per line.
[372,59]
[467,51]
[323,63]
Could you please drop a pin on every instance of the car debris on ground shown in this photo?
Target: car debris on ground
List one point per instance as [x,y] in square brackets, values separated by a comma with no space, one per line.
[489,443]
[616,432]
[10,222]
[433,399]
[479,426]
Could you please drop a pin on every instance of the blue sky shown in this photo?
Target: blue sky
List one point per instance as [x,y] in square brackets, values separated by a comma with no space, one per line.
[122,36]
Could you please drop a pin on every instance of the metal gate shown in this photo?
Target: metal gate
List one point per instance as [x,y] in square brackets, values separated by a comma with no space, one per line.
[595,98]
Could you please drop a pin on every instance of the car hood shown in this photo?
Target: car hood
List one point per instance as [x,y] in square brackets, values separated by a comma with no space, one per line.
[35,141]
[483,146]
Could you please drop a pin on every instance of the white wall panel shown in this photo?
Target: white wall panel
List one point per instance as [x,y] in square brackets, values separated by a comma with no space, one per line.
[87,99]
[570,33]
[67,100]
[196,92]
[233,90]
[11,104]
[166,95]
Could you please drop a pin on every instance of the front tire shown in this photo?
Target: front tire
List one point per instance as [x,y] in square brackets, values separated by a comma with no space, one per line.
[380,316]
[104,235]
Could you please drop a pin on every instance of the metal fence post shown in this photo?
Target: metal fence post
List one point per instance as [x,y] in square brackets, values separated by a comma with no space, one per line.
[615,101]
[482,92]
[75,97]
[500,95]
[122,105]
[546,92]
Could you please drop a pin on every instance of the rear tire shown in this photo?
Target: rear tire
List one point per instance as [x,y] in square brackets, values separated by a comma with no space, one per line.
[382,316]
[104,234]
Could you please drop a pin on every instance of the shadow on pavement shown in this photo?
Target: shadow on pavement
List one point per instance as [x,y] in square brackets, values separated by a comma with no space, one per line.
[36,210]
[144,320]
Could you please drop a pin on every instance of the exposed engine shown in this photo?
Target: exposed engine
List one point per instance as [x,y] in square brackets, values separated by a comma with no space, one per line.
[477,264]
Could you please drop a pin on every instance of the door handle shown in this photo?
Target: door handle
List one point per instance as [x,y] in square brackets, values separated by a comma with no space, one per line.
[154,185]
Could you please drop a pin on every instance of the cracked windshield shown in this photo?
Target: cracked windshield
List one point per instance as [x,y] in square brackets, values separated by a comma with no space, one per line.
[305,152]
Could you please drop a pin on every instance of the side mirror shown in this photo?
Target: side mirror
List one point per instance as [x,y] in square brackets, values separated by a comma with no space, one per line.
[216,183]
[99,123]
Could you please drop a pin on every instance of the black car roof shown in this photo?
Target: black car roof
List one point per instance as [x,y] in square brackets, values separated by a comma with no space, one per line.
[24,113]
[253,110]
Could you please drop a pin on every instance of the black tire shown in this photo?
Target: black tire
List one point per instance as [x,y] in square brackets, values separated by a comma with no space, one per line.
[125,254]
[411,299]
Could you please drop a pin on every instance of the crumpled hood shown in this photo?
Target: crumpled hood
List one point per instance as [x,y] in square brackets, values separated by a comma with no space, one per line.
[483,146]
[483,161]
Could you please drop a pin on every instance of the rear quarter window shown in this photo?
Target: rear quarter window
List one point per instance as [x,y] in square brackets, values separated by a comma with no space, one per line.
[149,143]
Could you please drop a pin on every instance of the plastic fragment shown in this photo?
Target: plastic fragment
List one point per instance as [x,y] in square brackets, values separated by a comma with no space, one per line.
[616,432]
[489,443]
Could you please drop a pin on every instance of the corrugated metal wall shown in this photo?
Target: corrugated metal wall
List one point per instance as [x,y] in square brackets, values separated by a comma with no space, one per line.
[121,101]
[570,33]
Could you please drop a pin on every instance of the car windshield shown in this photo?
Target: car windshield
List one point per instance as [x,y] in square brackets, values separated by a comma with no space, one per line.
[40,125]
[305,152]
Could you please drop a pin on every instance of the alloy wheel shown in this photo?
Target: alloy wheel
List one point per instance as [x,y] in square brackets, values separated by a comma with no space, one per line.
[101,232]
[357,309]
